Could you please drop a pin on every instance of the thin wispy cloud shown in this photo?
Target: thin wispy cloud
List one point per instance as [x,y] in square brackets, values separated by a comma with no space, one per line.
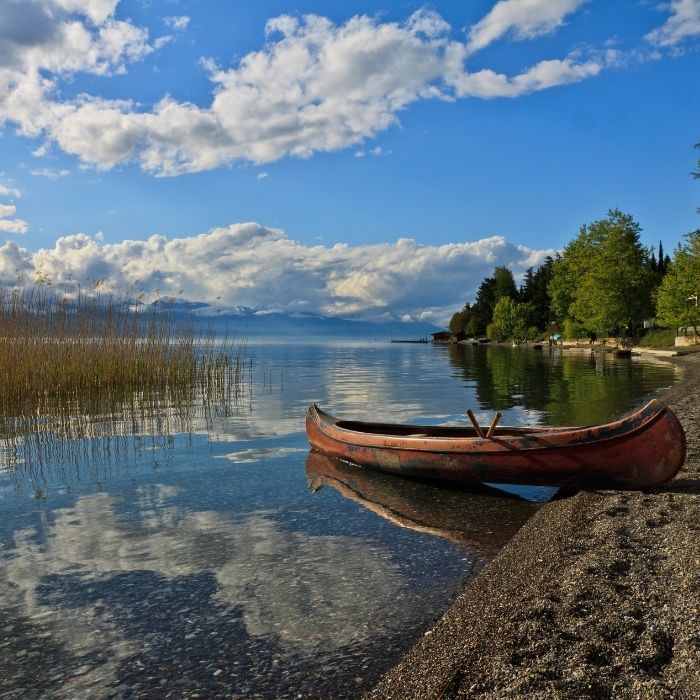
[254,266]
[177,24]
[523,19]
[314,86]
[682,23]
[376,151]
[50,173]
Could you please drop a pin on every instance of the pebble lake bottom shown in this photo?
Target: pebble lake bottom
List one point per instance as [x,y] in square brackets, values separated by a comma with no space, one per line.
[159,548]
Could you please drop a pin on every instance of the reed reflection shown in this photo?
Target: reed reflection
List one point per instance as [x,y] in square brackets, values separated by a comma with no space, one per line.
[92,437]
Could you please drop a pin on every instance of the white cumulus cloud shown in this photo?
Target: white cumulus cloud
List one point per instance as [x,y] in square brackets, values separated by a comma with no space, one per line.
[6,191]
[314,86]
[43,41]
[8,222]
[263,268]
[97,11]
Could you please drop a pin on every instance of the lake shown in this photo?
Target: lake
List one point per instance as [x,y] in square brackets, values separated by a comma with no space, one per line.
[189,543]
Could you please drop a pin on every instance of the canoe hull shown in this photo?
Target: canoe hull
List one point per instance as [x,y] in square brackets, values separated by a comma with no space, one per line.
[641,451]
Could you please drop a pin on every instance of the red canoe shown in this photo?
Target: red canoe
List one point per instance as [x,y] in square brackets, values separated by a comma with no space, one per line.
[642,450]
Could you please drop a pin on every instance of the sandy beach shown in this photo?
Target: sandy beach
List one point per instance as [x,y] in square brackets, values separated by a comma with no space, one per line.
[598,596]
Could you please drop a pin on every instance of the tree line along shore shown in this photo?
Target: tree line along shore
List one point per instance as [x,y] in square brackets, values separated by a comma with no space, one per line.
[604,283]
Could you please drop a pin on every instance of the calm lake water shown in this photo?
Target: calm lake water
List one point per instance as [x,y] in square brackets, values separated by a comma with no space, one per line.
[168,546]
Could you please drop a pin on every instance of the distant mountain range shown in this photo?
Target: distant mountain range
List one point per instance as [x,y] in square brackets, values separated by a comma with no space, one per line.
[253,324]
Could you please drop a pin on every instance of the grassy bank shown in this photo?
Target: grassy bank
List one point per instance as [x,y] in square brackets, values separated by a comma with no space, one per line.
[658,338]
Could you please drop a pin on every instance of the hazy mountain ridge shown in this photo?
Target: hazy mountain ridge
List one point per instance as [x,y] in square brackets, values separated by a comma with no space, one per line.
[242,320]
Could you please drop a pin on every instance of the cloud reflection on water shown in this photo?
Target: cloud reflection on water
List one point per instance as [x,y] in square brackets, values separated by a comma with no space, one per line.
[289,586]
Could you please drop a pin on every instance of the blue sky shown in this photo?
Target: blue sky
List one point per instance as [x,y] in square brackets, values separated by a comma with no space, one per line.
[357,159]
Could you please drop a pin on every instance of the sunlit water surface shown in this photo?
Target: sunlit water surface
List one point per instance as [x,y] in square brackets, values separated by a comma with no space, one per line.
[178,545]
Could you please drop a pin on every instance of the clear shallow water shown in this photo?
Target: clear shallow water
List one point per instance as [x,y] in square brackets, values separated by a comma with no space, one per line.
[188,544]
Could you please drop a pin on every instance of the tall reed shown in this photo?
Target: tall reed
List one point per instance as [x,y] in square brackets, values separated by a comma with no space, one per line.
[56,346]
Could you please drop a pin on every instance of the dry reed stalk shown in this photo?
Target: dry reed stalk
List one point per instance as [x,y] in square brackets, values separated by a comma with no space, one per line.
[90,345]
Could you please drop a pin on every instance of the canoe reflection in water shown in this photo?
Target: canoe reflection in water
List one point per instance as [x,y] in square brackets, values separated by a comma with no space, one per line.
[475,516]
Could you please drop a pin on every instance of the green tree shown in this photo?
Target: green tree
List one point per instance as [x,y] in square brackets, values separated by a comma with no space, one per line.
[677,303]
[664,261]
[535,292]
[460,321]
[504,283]
[659,267]
[490,291]
[505,316]
[604,278]
[483,307]
[568,271]
[510,320]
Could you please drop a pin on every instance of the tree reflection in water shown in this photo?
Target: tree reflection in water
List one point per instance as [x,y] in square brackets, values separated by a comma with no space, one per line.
[558,387]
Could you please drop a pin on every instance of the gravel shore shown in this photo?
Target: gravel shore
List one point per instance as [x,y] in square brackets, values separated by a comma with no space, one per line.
[597,596]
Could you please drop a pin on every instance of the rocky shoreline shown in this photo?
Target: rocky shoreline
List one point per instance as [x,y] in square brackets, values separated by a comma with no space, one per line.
[598,596]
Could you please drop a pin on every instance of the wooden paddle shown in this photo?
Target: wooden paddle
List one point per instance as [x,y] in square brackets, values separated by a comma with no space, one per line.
[477,427]
[494,423]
